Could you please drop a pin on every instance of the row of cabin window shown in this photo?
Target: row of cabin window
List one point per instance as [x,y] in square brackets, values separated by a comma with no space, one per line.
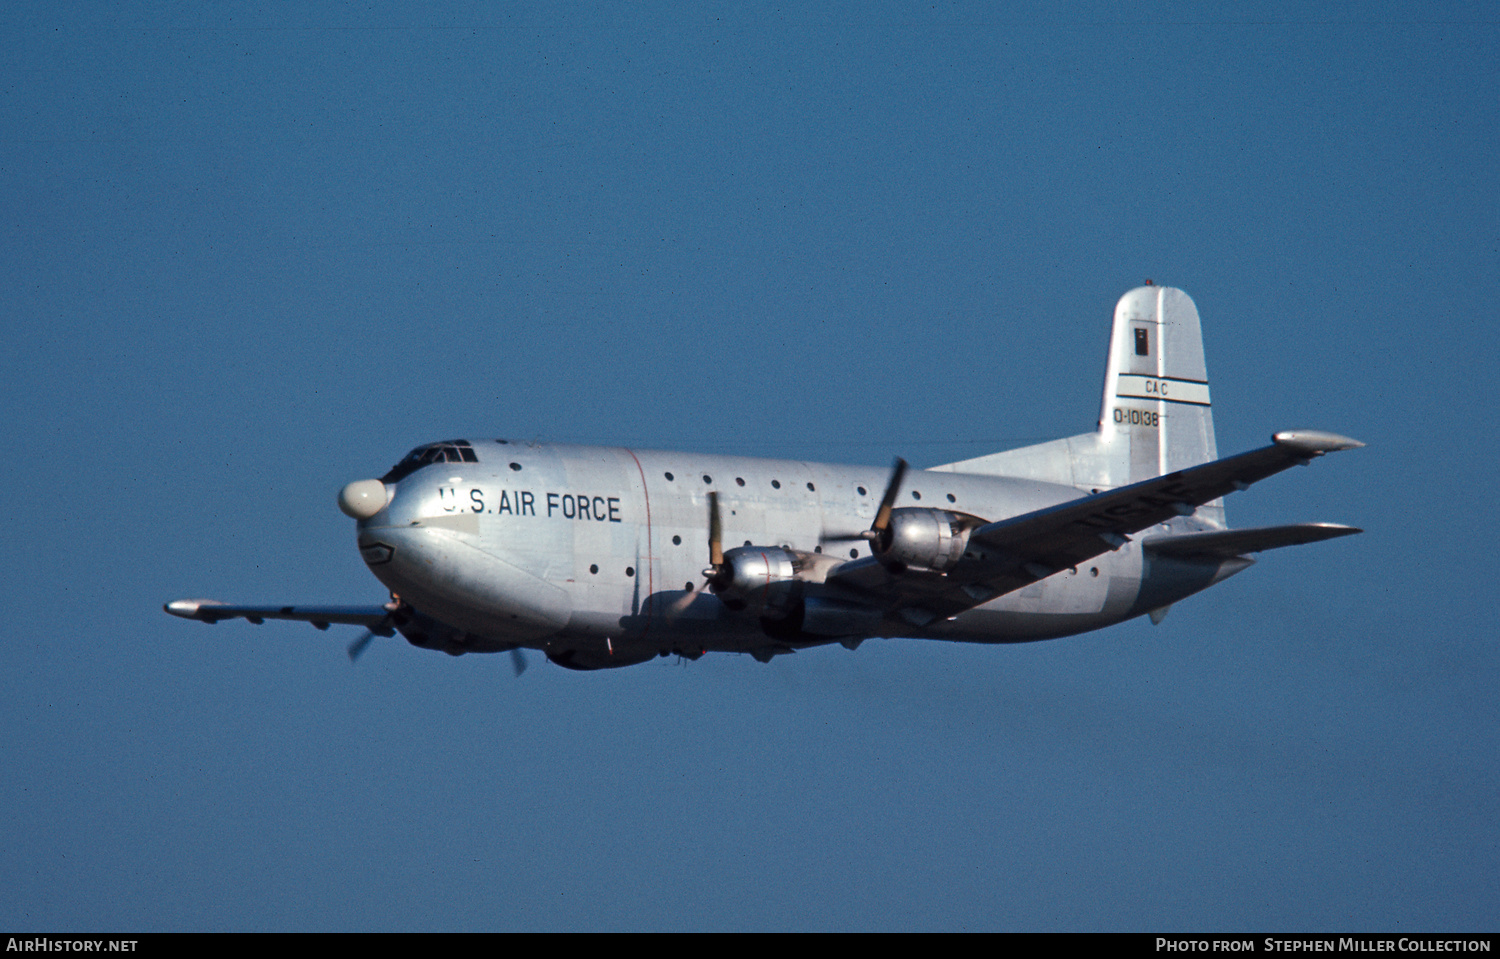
[776,484]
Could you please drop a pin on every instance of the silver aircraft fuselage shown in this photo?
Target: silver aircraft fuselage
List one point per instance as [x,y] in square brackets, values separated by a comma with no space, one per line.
[603,549]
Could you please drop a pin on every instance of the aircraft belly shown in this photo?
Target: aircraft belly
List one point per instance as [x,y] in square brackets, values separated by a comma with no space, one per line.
[988,625]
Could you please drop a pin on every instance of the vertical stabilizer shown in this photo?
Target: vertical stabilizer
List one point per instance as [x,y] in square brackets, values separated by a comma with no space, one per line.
[1155,416]
[1156,403]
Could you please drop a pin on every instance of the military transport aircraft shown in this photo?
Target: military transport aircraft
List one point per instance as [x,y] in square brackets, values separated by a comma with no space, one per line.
[602,557]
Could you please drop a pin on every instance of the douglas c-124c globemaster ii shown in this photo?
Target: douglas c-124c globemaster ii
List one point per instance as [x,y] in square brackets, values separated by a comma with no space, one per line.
[603,557]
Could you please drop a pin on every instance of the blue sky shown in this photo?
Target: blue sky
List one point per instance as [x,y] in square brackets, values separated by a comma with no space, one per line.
[251,252]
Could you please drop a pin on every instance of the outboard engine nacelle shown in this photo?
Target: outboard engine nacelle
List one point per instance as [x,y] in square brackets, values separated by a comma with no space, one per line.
[760,578]
[923,539]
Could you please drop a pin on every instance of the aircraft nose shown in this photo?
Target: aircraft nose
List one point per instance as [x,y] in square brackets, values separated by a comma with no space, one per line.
[362,499]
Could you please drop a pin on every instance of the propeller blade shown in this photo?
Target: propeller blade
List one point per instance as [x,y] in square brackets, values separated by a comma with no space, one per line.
[358,646]
[715,533]
[888,501]
[716,575]
[518,661]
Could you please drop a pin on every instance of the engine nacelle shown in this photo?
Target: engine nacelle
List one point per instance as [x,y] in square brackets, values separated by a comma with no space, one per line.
[762,579]
[927,539]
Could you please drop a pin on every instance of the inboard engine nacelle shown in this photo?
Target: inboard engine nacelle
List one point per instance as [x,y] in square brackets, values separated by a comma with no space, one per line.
[764,577]
[930,539]
[771,583]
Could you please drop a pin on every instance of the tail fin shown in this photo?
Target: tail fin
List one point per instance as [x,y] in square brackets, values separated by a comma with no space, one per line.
[1155,417]
[1156,403]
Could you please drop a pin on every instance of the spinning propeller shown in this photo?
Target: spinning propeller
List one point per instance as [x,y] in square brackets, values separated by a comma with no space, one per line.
[357,648]
[386,628]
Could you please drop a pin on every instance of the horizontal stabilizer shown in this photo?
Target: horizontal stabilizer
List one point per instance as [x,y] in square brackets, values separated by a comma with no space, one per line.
[1224,544]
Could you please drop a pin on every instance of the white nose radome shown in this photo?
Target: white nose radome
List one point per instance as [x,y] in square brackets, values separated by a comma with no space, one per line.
[362,499]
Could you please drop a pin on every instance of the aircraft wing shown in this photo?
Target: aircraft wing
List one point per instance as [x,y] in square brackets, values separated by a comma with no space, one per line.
[1013,553]
[373,618]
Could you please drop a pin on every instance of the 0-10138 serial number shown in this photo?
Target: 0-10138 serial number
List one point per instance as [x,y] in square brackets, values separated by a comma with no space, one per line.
[1137,417]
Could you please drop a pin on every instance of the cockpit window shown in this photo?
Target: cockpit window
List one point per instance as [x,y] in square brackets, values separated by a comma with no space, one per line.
[448,451]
